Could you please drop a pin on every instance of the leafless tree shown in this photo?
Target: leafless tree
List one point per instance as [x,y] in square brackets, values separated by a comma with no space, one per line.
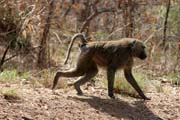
[43,52]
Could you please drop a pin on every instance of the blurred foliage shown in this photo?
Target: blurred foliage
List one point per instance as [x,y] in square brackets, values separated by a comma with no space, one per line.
[11,94]
[101,35]
[13,76]
[173,19]
[10,24]
[22,22]
[174,78]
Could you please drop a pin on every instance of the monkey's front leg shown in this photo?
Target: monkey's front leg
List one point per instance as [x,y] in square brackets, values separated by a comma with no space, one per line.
[132,81]
[110,77]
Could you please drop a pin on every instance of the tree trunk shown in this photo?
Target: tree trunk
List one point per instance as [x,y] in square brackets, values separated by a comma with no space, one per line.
[131,18]
[84,14]
[165,23]
[125,21]
[4,56]
[43,52]
[128,18]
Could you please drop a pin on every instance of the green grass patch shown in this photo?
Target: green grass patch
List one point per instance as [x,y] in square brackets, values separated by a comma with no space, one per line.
[174,78]
[13,76]
[11,94]
[157,85]
[101,35]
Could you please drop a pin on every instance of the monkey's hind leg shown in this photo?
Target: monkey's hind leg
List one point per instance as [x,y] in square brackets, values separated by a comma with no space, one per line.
[82,80]
[75,72]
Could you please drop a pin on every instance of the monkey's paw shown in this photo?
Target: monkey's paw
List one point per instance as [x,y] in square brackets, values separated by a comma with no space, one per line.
[146,98]
[112,96]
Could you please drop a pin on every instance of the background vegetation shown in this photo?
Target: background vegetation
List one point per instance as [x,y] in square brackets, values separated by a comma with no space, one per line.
[34,36]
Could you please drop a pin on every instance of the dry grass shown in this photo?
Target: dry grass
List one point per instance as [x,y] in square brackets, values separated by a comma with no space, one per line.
[11,94]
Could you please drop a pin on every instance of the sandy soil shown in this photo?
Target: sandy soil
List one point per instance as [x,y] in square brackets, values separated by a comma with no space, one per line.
[64,104]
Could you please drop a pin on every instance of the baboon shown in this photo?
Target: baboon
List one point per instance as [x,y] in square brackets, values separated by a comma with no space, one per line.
[111,55]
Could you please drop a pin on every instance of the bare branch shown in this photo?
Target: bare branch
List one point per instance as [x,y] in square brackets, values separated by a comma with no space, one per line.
[68,10]
[57,36]
[20,53]
[2,2]
[96,13]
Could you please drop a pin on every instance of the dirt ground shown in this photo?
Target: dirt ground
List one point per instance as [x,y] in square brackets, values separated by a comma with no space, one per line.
[63,104]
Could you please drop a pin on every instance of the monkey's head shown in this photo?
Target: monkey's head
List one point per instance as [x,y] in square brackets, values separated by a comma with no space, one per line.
[138,49]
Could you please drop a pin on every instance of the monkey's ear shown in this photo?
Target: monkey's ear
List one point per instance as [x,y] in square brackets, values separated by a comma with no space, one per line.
[132,45]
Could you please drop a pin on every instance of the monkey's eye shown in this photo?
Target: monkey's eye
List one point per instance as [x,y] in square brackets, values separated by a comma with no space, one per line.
[143,47]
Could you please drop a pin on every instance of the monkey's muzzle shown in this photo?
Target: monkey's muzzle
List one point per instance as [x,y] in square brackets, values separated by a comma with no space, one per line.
[143,56]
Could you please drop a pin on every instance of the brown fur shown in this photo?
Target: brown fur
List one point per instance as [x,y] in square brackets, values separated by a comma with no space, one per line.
[111,55]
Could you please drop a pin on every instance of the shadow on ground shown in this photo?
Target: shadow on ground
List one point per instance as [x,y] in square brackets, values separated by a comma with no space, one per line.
[120,109]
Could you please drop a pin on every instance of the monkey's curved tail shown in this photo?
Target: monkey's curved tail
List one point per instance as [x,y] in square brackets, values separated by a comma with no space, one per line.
[83,41]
